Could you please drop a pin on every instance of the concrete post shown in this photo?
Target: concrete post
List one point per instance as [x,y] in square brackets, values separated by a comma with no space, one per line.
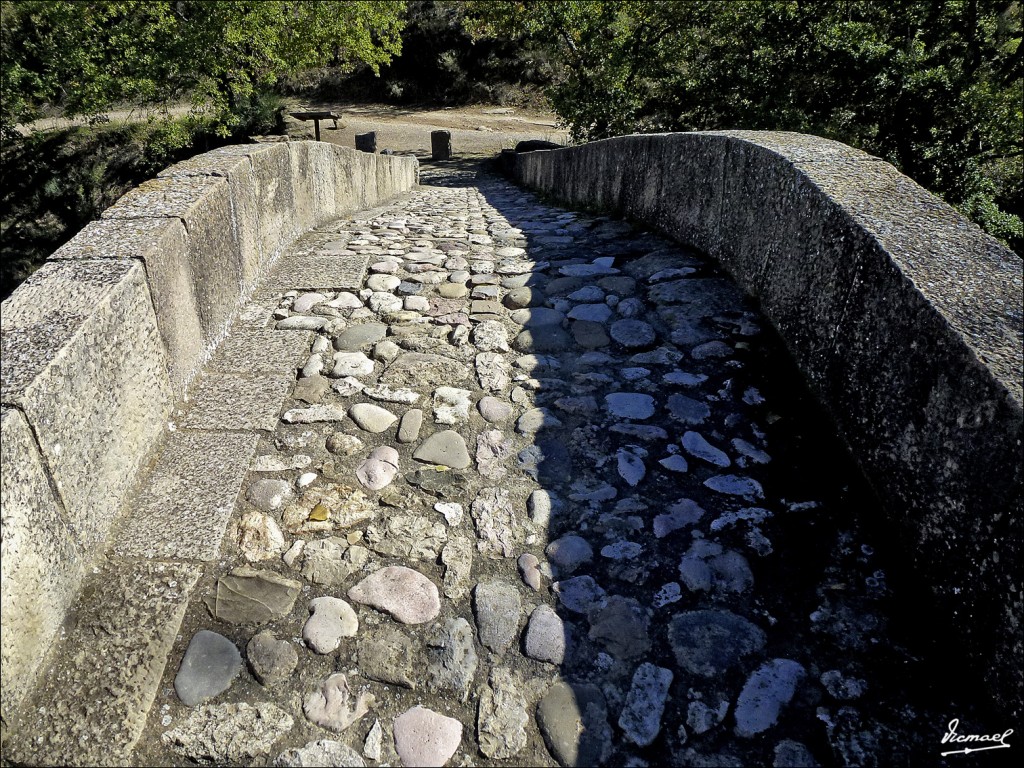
[366,142]
[440,145]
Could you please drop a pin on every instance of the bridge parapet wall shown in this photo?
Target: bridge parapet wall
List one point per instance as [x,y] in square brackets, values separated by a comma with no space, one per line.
[98,346]
[904,317]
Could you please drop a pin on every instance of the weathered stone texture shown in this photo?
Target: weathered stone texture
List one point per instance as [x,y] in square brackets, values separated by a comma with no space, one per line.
[127,620]
[183,506]
[100,343]
[83,360]
[204,205]
[41,561]
[161,243]
[903,315]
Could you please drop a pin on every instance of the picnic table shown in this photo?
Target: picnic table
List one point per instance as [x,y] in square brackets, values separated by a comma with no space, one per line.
[316,117]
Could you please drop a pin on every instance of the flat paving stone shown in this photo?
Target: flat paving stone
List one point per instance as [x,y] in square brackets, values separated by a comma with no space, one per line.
[313,272]
[249,350]
[387,655]
[371,418]
[250,596]
[406,594]
[547,636]
[574,721]
[320,753]
[205,736]
[184,504]
[211,662]
[359,337]
[125,626]
[768,689]
[236,401]
[645,703]
[426,738]
[446,448]
[330,620]
[271,661]
[451,658]
[630,405]
[498,609]
[707,643]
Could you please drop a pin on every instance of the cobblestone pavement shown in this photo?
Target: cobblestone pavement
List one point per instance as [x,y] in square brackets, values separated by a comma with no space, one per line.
[537,489]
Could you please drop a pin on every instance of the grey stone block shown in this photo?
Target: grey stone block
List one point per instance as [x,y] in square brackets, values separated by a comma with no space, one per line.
[237,401]
[271,171]
[83,359]
[366,142]
[364,174]
[316,166]
[324,238]
[204,204]
[325,270]
[969,278]
[162,244]
[805,297]
[41,561]
[217,161]
[260,172]
[236,168]
[91,705]
[182,507]
[793,147]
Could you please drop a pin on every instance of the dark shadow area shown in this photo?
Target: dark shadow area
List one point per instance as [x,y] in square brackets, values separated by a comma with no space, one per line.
[792,588]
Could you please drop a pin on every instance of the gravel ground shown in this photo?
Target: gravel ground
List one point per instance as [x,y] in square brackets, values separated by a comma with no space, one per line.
[476,131]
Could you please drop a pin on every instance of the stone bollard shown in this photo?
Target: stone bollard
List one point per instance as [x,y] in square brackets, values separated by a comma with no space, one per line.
[366,142]
[440,145]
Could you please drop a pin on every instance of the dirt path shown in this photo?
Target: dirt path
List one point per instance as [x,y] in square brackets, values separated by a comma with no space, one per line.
[476,130]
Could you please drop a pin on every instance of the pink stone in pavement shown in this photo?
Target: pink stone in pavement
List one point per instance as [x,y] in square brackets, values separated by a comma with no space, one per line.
[406,594]
[425,738]
[379,469]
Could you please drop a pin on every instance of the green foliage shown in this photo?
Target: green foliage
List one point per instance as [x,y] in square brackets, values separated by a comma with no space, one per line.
[442,63]
[54,183]
[933,86]
[86,56]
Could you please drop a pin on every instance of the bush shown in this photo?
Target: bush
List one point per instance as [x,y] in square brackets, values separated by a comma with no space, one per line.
[56,182]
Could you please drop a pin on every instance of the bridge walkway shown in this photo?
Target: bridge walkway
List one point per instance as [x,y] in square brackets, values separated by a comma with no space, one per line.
[479,481]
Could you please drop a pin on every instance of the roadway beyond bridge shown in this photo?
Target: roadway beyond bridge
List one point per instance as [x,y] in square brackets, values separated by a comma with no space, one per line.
[476,480]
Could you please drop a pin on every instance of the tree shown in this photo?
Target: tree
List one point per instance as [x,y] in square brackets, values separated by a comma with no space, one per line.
[442,63]
[933,86]
[90,55]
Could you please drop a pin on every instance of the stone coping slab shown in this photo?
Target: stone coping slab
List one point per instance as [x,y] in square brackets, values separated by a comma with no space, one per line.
[182,507]
[82,359]
[41,560]
[237,401]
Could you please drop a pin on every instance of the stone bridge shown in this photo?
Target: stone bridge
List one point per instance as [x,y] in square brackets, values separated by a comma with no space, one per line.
[314,457]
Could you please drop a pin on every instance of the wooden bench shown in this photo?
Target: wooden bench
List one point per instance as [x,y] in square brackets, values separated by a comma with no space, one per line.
[316,117]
